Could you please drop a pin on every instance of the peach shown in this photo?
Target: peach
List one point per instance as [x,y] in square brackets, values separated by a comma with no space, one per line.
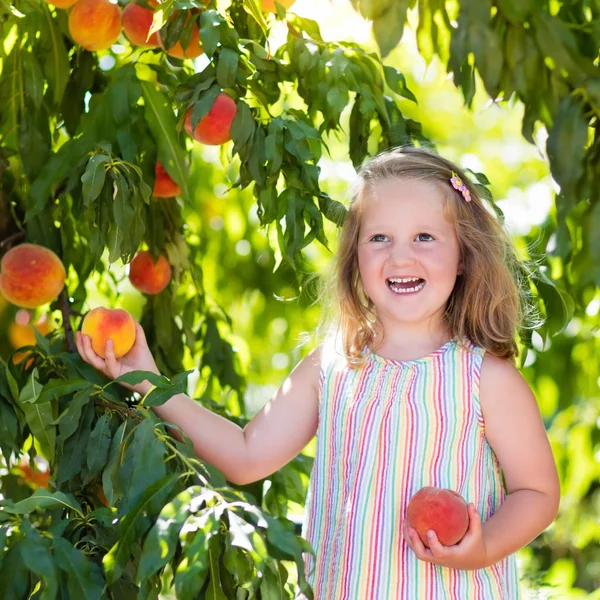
[102,324]
[148,276]
[269,5]
[31,275]
[164,186]
[62,3]
[442,510]
[137,21]
[193,49]
[20,331]
[214,128]
[95,24]
[34,477]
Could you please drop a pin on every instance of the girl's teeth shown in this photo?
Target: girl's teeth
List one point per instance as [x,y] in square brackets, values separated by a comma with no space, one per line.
[400,290]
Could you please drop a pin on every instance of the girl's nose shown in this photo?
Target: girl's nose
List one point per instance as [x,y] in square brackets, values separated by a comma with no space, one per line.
[402,254]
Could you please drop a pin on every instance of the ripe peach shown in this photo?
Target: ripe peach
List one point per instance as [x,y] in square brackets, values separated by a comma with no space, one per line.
[442,510]
[214,128]
[137,21]
[31,275]
[193,49]
[164,186]
[118,325]
[269,5]
[20,331]
[148,276]
[95,24]
[34,477]
[62,3]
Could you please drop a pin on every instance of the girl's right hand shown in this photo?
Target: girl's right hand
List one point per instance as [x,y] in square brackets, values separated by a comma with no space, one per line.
[139,358]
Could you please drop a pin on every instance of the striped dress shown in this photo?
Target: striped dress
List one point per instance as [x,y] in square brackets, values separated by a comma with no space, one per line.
[386,430]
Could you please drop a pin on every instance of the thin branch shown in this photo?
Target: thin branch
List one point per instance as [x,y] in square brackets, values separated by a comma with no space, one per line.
[124,409]
[15,237]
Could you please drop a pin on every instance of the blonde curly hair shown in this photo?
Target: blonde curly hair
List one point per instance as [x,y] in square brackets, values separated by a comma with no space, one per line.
[488,304]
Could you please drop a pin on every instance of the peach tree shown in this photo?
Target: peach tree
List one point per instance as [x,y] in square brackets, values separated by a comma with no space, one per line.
[101,106]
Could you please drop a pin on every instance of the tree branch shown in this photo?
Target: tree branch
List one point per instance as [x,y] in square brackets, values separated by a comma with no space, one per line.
[15,237]
[65,309]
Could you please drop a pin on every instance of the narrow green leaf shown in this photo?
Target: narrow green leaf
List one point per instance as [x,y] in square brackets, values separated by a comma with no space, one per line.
[84,578]
[227,67]
[135,524]
[31,392]
[161,541]
[162,123]
[94,177]
[98,445]
[43,499]
[252,7]
[56,388]
[389,27]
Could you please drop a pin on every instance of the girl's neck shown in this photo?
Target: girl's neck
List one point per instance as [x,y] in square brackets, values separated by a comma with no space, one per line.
[406,345]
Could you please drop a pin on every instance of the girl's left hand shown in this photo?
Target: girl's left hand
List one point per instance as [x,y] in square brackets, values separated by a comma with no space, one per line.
[468,554]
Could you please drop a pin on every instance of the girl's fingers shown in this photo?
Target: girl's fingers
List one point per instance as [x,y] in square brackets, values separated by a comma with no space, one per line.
[474,519]
[140,334]
[91,357]
[110,358]
[434,544]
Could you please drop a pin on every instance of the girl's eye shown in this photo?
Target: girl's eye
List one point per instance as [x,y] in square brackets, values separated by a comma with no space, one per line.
[378,235]
[426,235]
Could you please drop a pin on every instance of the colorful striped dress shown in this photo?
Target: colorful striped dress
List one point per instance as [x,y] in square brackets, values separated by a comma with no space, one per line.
[386,430]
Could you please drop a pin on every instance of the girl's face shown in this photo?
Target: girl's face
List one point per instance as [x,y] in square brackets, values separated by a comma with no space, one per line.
[404,234]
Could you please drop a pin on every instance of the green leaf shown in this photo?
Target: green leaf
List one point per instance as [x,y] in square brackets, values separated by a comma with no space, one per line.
[36,555]
[163,125]
[397,83]
[113,462]
[145,449]
[210,31]
[43,499]
[389,27]
[227,67]
[94,177]
[58,388]
[594,228]
[252,7]
[215,590]
[161,542]
[84,578]
[136,377]
[68,422]
[134,525]
[54,57]
[159,396]
[33,79]
[570,130]
[98,445]
[242,126]
[204,105]
[31,392]
[73,451]
[40,418]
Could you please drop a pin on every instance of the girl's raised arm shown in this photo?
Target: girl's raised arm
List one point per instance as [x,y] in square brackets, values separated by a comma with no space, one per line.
[275,435]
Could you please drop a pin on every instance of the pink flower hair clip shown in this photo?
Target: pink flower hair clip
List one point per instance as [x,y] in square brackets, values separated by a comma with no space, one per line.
[458,184]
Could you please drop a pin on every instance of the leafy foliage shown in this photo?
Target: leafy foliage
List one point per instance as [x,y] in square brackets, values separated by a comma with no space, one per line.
[131,511]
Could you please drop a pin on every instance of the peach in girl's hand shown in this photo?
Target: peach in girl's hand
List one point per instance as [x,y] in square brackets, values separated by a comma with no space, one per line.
[441,510]
[100,324]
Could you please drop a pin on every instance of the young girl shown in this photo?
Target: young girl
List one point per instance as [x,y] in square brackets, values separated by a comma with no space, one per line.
[417,388]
